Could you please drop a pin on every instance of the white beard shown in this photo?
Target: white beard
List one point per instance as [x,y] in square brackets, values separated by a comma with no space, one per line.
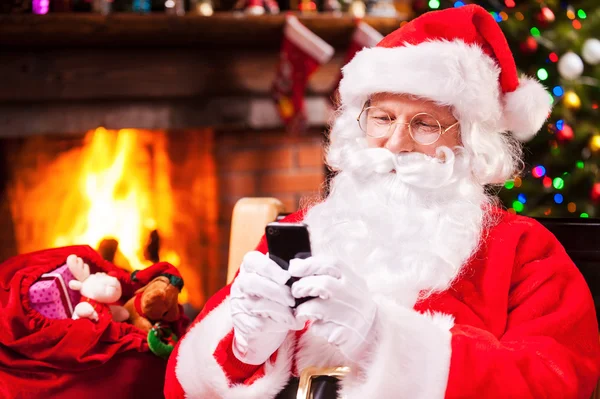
[408,233]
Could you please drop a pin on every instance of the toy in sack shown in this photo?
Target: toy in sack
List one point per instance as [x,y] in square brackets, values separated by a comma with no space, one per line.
[98,291]
[161,340]
[45,353]
[156,300]
[154,308]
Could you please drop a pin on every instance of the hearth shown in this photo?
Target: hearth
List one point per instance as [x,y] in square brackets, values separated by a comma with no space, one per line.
[140,196]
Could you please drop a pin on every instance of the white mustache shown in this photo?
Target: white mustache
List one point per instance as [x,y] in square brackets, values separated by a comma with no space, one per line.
[414,169]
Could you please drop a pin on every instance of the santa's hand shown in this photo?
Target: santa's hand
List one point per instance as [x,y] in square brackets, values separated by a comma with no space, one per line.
[343,312]
[260,304]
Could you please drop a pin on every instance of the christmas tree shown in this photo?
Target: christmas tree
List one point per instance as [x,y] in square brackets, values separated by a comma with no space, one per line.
[559,43]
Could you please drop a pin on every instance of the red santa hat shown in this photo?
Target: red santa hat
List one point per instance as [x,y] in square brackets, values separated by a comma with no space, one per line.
[457,57]
[145,276]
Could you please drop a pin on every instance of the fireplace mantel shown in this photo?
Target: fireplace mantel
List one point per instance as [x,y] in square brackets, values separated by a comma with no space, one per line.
[222,30]
[74,72]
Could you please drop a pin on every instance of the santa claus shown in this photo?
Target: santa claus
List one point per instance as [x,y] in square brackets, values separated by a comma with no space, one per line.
[425,287]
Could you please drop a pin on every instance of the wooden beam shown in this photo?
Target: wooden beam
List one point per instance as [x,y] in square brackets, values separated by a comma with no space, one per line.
[222,30]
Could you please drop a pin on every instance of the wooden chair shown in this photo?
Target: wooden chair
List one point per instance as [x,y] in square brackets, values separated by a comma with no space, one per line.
[580,237]
[248,221]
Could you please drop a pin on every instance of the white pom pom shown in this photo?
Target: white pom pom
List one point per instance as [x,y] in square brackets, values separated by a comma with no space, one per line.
[570,66]
[526,109]
[591,51]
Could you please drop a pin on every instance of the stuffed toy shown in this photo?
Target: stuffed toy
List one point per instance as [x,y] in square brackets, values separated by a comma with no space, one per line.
[154,308]
[98,292]
[156,301]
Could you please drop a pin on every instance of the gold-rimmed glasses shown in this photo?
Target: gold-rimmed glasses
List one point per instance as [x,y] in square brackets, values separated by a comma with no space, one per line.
[423,128]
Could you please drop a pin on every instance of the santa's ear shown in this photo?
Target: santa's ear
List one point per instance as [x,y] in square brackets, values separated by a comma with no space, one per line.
[75,285]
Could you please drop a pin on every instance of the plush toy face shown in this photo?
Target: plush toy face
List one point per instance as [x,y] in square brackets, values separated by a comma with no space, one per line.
[102,287]
[159,300]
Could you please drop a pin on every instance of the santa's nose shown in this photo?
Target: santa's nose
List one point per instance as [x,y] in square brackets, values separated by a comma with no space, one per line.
[399,140]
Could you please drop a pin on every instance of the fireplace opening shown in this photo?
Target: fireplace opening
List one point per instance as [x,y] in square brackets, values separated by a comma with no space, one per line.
[142,196]
[137,196]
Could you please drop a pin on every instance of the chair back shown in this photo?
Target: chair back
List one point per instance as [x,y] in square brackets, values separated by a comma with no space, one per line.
[248,221]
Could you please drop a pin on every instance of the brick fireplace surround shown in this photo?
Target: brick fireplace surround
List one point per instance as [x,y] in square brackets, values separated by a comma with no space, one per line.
[199,84]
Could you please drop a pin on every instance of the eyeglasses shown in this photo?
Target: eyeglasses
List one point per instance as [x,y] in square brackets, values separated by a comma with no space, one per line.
[423,127]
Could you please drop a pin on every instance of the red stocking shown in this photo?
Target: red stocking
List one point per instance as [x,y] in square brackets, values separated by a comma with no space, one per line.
[364,36]
[302,52]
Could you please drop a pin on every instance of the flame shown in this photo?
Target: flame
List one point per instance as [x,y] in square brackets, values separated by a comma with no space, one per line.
[118,200]
[122,184]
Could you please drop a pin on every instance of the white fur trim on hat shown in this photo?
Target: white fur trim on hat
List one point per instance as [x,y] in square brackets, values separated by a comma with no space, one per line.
[526,109]
[451,73]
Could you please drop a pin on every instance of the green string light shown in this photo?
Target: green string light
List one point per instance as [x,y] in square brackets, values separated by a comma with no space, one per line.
[558,183]
[581,14]
[509,185]
[542,73]
[518,206]
[584,215]
[535,32]
[435,4]
[580,164]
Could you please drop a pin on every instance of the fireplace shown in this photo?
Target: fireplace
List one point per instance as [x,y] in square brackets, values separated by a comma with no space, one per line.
[140,196]
[136,134]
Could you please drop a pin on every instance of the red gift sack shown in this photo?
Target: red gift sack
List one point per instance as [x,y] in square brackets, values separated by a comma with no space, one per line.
[45,358]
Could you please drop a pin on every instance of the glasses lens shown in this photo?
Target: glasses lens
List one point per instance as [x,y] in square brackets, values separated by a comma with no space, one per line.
[425,129]
[375,122]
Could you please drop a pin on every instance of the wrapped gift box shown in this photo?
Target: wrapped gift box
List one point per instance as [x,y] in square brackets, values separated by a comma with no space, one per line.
[51,295]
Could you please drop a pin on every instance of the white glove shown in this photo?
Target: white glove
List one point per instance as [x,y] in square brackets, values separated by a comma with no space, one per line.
[261,310]
[344,312]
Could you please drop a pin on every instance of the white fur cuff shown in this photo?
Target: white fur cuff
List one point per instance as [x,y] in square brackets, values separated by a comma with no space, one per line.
[410,358]
[201,376]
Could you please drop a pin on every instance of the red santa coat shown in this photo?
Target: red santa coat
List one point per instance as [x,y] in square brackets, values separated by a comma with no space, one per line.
[519,323]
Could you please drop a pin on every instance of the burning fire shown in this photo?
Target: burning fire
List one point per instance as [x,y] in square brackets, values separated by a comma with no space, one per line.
[122,187]
[120,199]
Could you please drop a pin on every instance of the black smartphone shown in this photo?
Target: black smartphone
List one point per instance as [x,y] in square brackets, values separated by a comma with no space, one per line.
[285,242]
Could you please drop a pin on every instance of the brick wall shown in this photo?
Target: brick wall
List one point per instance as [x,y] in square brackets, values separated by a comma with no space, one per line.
[266,164]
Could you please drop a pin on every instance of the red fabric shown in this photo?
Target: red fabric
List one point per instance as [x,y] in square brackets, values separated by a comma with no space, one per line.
[103,309]
[144,277]
[68,358]
[354,47]
[172,388]
[236,371]
[472,24]
[525,324]
[525,321]
[295,67]
[137,303]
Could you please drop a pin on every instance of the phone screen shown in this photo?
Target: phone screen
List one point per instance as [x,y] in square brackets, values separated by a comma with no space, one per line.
[285,242]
